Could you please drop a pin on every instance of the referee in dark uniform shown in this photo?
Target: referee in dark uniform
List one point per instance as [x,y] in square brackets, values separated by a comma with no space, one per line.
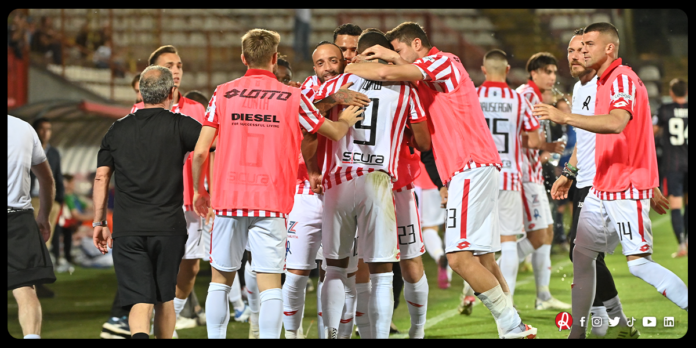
[146,152]
[672,128]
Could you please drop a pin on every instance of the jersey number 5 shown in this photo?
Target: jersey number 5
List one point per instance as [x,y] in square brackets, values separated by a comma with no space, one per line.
[495,131]
[372,127]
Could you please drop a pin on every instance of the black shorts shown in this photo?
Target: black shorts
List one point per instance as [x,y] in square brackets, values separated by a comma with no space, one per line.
[578,198]
[146,267]
[675,183]
[28,261]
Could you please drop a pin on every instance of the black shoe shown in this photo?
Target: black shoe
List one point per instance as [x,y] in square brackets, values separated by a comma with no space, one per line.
[43,292]
[393,329]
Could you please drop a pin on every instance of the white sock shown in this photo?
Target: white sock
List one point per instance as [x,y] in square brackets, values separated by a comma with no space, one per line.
[362,315]
[381,305]
[178,305]
[505,316]
[416,295]
[449,273]
[32,336]
[235,295]
[320,316]
[433,243]
[270,313]
[217,310]
[665,281]
[345,329]
[333,298]
[524,248]
[541,264]
[600,312]
[614,310]
[509,264]
[293,300]
[468,290]
[252,289]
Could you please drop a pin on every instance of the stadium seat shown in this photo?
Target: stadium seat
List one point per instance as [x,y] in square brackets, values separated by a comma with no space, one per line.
[649,73]
[483,23]
[559,22]
[581,20]
[601,17]
[653,90]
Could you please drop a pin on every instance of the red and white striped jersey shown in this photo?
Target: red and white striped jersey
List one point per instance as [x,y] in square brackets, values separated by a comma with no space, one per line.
[310,86]
[374,142]
[196,111]
[507,114]
[531,166]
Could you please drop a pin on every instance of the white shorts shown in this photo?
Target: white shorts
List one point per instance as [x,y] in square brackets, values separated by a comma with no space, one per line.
[603,224]
[510,213]
[365,203]
[352,259]
[266,237]
[472,212]
[195,246]
[304,232]
[432,215]
[537,211]
[205,239]
[408,224]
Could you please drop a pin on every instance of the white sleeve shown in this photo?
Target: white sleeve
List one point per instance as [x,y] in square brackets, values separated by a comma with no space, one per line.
[38,155]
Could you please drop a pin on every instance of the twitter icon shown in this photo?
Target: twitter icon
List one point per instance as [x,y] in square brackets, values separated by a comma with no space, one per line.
[613,322]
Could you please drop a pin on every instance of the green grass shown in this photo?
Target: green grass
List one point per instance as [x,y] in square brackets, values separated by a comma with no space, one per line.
[83,301]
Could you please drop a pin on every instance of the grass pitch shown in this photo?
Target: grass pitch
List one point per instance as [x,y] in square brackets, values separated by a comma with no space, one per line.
[83,301]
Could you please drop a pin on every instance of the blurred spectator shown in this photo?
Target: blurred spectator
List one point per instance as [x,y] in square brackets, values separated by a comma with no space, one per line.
[136,87]
[103,59]
[303,18]
[73,214]
[47,41]
[87,40]
[17,28]
[44,129]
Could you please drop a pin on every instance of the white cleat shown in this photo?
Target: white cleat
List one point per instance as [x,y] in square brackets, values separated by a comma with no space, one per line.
[528,333]
[253,331]
[552,303]
[298,334]
[185,323]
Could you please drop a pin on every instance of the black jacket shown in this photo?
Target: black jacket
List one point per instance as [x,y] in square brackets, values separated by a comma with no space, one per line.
[53,157]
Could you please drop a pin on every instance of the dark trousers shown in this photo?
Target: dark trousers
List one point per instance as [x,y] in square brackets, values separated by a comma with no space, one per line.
[66,233]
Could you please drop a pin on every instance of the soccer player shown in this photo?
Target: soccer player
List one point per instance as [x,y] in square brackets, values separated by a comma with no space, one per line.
[538,224]
[136,88]
[346,37]
[283,72]
[258,145]
[365,165]
[508,114]
[168,57]
[452,105]
[673,127]
[625,185]
[606,304]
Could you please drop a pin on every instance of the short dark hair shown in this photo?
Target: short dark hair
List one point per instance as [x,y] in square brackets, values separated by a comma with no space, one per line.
[495,54]
[347,29]
[68,177]
[158,52]
[136,78]
[540,60]
[329,43]
[37,122]
[197,96]
[678,87]
[282,61]
[371,38]
[602,27]
[579,31]
[406,32]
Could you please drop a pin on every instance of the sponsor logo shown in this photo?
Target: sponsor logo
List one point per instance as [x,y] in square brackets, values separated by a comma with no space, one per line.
[535,198]
[564,320]
[649,321]
[622,95]
[346,321]
[398,255]
[580,204]
[422,249]
[507,164]
[531,226]
[620,104]
[428,58]
[258,93]
[365,158]
[644,248]
[290,313]
[255,118]
[249,178]
[463,245]
[359,314]
[414,304]
[291,230]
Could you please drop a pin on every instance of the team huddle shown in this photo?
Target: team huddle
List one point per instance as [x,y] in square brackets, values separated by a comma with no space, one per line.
[332,172]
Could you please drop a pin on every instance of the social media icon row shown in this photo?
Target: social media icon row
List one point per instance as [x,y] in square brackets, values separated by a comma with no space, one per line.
[564,320]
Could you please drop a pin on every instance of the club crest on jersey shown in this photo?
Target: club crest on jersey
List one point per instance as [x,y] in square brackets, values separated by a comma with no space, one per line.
[258,93]
[364,158]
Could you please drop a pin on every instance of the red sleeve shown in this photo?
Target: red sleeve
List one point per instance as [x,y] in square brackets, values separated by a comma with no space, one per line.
[309,116]
[529,122]
[622,94]
[440,70]
[211,116]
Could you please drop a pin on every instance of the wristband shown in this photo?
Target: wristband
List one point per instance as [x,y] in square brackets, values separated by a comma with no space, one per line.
[572,168]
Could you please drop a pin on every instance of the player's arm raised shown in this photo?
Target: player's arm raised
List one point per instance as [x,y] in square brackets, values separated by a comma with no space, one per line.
[383,72]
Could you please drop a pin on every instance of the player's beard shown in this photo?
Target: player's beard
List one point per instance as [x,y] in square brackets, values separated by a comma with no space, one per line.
[578,73]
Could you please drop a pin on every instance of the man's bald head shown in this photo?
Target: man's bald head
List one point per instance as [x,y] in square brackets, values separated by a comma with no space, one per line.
[495,62]
[608,33]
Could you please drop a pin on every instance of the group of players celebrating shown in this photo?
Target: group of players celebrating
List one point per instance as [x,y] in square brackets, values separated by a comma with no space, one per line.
[330,172]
